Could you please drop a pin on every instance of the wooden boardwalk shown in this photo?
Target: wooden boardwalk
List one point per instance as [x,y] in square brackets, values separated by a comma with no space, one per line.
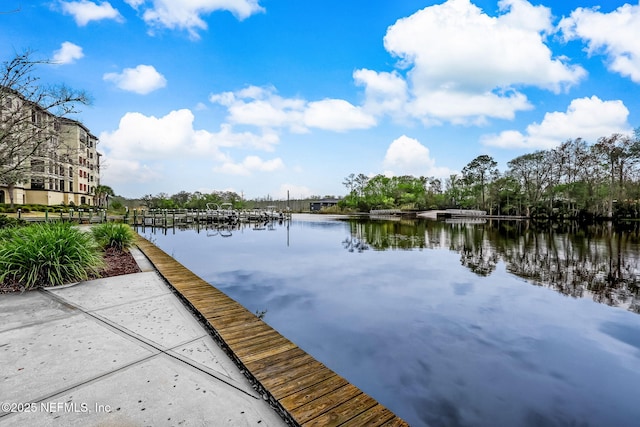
[306,392]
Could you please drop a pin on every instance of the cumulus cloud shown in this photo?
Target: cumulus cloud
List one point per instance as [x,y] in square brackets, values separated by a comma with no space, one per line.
[151,140]
[142,80]
[336,115]
[124,171]
[187,14]
[67,54]
[135,3]
[587,118]
[464,66]
[407,156]
[614,34]
[150,137]
[249,165]
[263,107]
[85,11]
[385,93]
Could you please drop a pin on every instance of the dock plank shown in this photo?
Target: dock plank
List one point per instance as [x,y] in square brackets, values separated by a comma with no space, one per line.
[343,412]
[305,389]
[374,417]
[325,403]
[309,394]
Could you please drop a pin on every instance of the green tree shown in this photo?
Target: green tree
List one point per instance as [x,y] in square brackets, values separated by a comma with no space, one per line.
[533,173]
[102,194]
[479,173]
[618,154]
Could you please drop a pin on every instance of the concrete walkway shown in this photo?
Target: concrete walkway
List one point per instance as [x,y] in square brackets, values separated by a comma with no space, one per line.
[121,351]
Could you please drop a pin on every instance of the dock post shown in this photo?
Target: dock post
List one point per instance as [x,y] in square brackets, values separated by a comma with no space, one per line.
[46,215]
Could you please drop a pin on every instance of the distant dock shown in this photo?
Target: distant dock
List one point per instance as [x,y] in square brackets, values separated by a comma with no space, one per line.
[170,218]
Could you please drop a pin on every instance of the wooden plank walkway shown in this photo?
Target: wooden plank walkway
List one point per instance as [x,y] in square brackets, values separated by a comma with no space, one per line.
[305,391]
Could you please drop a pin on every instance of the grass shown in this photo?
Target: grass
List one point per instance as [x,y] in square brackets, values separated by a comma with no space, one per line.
[113,235]
[48,255]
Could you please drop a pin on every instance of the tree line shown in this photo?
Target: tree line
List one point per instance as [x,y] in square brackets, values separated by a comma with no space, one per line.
[575,180]
[200,200]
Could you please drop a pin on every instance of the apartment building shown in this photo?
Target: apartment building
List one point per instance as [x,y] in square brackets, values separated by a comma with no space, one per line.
[64,169]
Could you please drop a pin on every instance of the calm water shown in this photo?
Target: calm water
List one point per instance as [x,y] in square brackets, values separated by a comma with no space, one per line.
[446,324]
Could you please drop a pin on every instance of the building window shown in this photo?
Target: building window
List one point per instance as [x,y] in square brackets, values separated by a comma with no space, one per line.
[37,165]
[70,172]
[37,183]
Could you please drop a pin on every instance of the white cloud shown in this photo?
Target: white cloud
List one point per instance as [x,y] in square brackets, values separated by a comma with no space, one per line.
[249,165]
[187,14]
[124,171]
[263,108]
[135,151]
[142,80]
[143,146]
[68,53]
[135,3]
[85,11]
[615,34]
[587,118]
[149,137]
[384,92]
[465,66]
[336,115]
[407,156]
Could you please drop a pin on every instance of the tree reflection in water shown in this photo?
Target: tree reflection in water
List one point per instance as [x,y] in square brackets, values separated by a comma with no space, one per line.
[598,261]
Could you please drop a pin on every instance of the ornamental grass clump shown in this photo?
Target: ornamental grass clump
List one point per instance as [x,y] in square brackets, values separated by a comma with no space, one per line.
[48,255]
[113,235]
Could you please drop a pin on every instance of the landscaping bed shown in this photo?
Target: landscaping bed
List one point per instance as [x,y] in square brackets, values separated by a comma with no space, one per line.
[57,254]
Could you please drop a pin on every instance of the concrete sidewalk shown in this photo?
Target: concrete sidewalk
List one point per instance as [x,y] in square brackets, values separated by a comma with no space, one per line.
[121,351]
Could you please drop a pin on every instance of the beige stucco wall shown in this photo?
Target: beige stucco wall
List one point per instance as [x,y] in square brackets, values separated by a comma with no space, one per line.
[19,196]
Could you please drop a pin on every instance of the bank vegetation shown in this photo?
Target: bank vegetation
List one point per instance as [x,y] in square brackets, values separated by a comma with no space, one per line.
[575,180]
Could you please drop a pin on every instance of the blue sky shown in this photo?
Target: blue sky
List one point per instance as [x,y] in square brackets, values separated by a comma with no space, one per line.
[267,96]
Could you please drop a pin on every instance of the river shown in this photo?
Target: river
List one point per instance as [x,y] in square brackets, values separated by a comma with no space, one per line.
[446,324]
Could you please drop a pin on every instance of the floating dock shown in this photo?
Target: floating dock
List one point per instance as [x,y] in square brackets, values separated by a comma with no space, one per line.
[303,390]
[169,218]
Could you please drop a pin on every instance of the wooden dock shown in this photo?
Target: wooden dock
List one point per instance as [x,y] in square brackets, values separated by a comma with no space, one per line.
[303,390]
[170,218]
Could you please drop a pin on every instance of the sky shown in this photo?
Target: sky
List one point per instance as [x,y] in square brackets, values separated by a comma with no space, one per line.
[270,98]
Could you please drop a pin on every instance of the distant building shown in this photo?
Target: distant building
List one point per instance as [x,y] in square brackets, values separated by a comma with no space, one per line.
[63,170]
[317,205]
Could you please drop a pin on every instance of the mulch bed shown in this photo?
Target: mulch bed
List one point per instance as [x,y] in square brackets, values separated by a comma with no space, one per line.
[117,263]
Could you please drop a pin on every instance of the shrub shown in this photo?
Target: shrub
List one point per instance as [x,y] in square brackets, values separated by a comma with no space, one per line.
[48,255]
[7,221]
[113,235]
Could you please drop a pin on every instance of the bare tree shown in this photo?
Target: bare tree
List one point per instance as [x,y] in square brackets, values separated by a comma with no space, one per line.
[30,114]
